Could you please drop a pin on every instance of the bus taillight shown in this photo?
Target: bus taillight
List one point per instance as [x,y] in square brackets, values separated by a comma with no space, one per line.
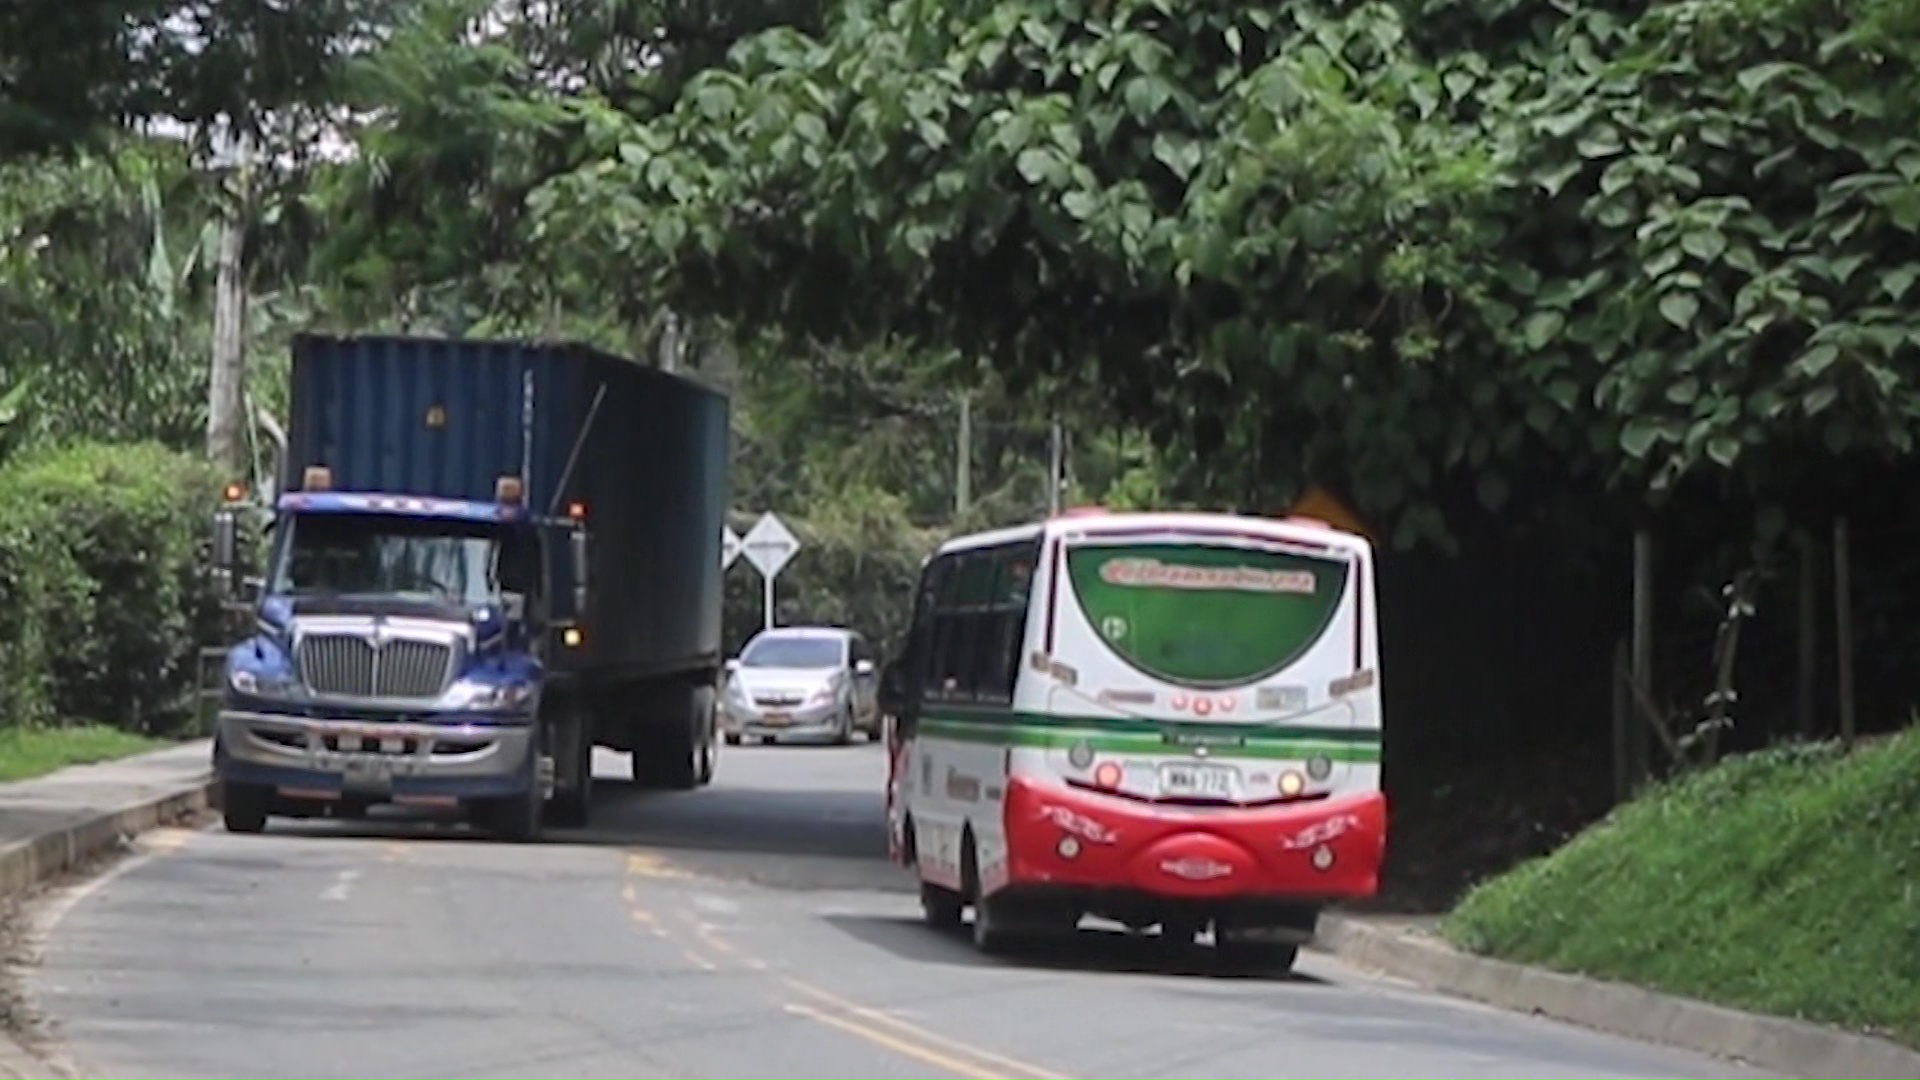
[1108,775]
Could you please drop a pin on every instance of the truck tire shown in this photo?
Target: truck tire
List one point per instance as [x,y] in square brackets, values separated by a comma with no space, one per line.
[667,756]
[706,727]
[243,807]
[573,808]
[516,819]
[570,731]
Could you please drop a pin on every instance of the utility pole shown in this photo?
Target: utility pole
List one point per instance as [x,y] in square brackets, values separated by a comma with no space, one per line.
[227,370]
[963,458]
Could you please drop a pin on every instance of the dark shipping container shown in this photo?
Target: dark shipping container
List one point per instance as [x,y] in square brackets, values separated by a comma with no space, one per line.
[448,417]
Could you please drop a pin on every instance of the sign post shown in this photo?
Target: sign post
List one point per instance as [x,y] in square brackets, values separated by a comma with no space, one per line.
[769,546]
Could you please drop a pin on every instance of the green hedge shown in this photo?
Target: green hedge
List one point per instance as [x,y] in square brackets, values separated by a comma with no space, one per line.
[103,602]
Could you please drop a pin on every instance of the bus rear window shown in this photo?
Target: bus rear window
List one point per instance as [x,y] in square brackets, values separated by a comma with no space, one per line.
[1206,615]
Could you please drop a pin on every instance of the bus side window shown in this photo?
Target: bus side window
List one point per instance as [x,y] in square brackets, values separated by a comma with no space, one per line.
[931,633]
[955,627]
[1012,597]
[1001,622]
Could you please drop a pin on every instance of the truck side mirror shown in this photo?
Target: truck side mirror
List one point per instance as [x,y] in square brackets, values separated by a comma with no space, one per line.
[225,545]
[577,554]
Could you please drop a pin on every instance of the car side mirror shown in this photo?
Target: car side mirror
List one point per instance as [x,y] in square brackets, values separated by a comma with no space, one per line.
[863,668]
[733,664]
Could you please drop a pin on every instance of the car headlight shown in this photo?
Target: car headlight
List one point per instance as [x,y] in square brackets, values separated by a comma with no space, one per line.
[822,696]
[254,684]
[738,693]
[473,695]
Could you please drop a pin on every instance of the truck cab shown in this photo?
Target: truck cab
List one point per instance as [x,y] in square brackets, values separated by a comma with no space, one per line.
[405,650]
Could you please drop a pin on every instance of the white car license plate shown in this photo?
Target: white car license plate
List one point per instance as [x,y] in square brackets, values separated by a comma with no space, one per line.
[1204,781]
[778,719]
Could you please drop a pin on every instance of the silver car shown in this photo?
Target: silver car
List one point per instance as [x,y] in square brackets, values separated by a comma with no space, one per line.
[801,680]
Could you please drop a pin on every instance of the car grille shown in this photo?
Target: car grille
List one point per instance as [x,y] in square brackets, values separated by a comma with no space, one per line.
[350,666]
[776,699]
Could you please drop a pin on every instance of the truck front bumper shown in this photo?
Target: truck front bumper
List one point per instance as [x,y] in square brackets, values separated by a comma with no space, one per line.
[375,761]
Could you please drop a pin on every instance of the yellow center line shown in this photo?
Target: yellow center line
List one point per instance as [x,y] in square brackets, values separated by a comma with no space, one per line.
[647,864]
[938,1060]
[1014,1065]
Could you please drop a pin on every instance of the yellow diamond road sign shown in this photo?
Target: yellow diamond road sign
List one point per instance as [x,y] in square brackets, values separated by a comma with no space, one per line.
[1320,503]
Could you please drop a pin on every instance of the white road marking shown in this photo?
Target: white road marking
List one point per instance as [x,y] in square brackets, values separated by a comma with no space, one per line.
[341,886]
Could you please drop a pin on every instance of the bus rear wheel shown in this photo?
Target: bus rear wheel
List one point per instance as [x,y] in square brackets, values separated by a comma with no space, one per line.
[1248,949]
[942,908]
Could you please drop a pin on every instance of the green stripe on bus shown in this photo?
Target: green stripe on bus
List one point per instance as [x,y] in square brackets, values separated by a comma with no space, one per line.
[989,714]
[1062,732]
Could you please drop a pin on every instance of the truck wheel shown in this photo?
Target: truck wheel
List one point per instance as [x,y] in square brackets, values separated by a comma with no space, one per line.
[573,809]
[243,808]
[516,819]
[705,723]
[667,759]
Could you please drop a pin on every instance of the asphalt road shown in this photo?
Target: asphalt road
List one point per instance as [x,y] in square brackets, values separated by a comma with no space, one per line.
[753,929]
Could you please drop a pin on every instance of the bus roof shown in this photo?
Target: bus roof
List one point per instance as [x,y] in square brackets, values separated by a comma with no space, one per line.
[1294,529]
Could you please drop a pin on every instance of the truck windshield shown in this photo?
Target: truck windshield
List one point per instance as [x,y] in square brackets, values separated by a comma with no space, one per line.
[377,553]
[1205,615]
[792,652]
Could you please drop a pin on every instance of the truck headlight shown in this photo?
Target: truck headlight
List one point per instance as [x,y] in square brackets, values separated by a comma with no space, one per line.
[473,695]
[254,684]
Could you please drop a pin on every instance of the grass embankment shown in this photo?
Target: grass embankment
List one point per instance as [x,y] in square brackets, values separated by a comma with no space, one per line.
[27,752]
[1785,882]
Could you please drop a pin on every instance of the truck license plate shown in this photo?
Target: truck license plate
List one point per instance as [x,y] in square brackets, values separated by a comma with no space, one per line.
[1204,781]
[359,768]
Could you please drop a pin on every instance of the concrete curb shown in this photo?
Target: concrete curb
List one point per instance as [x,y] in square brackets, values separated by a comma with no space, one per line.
[26,863]
[1777,1044]
[30,862]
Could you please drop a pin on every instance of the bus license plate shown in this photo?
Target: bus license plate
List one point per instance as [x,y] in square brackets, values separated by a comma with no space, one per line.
[1205,781]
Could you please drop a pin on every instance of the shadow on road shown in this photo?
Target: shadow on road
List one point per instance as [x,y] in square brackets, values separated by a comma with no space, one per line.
[783,824]
[1090,949]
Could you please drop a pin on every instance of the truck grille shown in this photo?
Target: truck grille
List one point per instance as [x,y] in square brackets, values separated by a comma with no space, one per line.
[349,666]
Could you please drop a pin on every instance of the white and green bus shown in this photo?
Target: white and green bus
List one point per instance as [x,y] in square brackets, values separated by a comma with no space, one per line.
[1165,719]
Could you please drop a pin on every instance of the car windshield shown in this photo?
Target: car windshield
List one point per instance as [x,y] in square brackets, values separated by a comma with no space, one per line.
[792,652]
[331,554]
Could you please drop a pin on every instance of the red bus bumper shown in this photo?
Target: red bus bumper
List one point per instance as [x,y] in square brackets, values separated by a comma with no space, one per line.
[1308,852]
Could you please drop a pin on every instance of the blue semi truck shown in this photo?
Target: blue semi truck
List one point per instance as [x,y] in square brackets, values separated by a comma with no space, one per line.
[486,558]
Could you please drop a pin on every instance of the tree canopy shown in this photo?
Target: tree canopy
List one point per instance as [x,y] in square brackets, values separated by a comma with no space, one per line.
[1404,247]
